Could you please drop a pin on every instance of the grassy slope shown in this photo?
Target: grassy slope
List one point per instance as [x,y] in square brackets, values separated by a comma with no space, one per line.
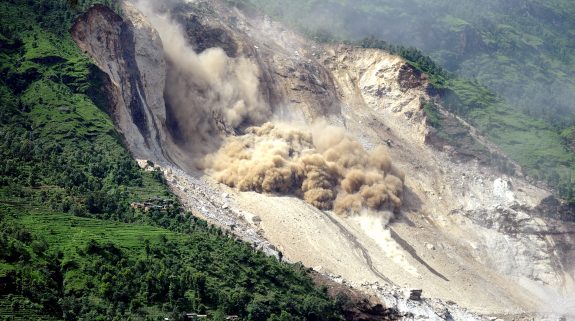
[533,143]
[71,248]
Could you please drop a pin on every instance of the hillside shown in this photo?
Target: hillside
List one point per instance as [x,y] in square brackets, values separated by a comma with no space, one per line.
[168,157]
[71,245]
[519,48]
[506,66]
[345,158]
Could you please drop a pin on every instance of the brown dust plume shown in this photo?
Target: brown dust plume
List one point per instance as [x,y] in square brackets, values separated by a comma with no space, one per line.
[325,167]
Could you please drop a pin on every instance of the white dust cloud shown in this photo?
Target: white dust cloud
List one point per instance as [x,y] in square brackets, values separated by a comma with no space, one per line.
[374,226]
[323,166]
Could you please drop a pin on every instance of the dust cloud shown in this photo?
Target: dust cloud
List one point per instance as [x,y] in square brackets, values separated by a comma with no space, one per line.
[324,166]
[207,93]
[374,225]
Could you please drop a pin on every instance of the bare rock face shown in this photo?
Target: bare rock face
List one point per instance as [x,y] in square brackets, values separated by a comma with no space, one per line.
[204,35]
[130,53]
[150,60]
[409,77]
[516,229]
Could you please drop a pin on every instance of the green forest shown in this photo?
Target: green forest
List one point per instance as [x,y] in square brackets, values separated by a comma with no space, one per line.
[71,247]
[507,67]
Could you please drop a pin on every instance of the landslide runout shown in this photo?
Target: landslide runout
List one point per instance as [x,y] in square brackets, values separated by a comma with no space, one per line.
[463,228]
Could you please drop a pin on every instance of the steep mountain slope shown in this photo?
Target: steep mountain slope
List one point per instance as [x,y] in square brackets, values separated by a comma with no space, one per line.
[85,234]
[462,228]
[487,40]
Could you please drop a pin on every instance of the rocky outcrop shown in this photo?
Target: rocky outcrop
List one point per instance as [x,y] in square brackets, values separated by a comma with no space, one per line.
[356,305]
[409,77]
[130,53]
[516,228]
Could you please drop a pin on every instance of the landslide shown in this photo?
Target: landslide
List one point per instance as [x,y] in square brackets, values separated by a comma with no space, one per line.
[466,232]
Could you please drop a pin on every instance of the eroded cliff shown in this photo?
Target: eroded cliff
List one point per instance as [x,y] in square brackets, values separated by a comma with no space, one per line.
[129,51]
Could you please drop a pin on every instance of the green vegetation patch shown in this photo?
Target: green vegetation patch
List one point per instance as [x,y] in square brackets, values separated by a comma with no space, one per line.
[64,231]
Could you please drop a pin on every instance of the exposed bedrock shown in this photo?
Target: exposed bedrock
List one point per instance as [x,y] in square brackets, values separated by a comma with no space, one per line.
[130,52]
